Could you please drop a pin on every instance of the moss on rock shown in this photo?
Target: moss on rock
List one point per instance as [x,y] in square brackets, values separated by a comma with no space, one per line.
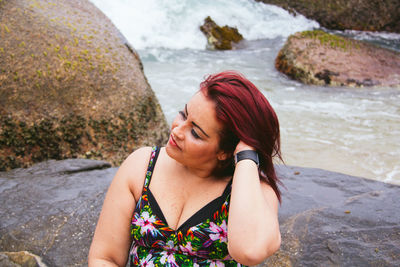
[317,57]
[220,38]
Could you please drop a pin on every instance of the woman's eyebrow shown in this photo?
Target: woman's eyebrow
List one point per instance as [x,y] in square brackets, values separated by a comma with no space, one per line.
[195,124]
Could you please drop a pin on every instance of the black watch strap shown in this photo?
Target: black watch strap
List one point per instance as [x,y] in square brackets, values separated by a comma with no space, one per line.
[247,154]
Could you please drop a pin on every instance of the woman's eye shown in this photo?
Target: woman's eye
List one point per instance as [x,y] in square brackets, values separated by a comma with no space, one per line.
[182,114]
[195,135]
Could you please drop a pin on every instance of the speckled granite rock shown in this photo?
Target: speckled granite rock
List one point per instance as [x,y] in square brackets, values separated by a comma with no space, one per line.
[327,218]
[71,86]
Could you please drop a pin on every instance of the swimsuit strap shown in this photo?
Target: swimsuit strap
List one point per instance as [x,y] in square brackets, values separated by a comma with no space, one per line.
[155,151]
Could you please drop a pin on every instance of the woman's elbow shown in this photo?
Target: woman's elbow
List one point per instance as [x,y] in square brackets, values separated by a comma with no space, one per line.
[256,254]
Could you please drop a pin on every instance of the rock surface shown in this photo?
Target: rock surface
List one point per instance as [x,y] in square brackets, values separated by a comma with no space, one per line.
[362,15]
[220,38]
[327,219]
[316,57]
[71,86]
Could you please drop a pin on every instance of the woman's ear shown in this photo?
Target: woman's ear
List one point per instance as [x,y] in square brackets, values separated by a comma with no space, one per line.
[222,155]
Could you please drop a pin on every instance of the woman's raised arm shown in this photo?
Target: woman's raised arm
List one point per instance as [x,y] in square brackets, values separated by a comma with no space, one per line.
[253,228]
[111,241]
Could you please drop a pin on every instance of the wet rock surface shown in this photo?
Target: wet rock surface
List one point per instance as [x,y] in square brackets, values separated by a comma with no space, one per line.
[71,86]
[327,219]
[362,15]
[51,209]
[332,219]
[220,38]
[316,57]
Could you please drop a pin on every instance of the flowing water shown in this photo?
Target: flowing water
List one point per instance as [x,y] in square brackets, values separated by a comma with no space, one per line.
[350,130]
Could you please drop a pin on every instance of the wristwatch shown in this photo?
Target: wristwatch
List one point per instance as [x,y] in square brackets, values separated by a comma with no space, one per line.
[247,154]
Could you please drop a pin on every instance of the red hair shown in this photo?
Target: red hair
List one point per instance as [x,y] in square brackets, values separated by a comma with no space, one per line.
[246,115]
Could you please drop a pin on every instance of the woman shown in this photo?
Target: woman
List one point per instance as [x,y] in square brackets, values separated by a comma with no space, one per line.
[216,168]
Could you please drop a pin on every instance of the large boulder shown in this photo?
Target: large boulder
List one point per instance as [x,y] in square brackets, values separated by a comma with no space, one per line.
[70,86]
[317,57]
[362,15]
[327,218]
[220,38]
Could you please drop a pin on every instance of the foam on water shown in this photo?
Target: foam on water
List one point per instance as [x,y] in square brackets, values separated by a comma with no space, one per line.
[175,23]
[349,130]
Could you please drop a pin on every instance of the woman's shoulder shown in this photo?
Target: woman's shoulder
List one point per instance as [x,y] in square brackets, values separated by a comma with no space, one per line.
[134,169]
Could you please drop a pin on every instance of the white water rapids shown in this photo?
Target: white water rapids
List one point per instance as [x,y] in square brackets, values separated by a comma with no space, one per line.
[349,130]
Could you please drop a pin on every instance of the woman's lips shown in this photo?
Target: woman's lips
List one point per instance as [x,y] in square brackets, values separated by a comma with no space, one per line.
[172,142]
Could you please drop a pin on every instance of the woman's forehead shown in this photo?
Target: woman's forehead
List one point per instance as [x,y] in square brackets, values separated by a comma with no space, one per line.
[201,110]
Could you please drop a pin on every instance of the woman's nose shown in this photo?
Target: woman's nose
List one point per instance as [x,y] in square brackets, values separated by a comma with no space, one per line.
[178,130]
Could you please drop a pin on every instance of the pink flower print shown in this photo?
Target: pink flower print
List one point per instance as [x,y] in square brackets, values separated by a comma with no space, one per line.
[146,222]
[220,232]
[169,246]
[187,249]
[168,258]
[134,250]
[168,255]
[147,261]
[215,263]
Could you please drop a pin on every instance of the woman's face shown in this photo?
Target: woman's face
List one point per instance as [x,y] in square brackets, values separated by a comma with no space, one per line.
[194,139]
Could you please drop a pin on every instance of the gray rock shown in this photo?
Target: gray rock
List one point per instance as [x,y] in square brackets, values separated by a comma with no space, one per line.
[51,209]
[332,219]
[327,218]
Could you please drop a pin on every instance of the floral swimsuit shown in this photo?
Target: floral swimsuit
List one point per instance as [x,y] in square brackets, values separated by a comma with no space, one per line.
[200,241]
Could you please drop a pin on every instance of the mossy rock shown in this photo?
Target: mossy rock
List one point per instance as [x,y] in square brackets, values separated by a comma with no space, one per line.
[71,86]
[220,38]
[317,57]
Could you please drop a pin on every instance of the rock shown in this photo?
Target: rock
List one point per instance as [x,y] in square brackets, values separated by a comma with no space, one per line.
[220,38]
[51,209]
[332,219]
[71,86]
[362,15]
[20,258]
[327,218]
[316,57]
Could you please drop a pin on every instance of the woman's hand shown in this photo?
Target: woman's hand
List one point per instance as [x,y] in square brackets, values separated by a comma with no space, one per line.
[242,146]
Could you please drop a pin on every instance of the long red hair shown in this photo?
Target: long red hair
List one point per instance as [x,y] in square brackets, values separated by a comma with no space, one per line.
[246,115]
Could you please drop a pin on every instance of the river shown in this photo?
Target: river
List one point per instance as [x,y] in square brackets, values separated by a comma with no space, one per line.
[355,131]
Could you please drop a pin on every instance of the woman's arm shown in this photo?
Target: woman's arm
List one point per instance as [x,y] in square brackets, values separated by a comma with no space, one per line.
[253,228]
[111,241]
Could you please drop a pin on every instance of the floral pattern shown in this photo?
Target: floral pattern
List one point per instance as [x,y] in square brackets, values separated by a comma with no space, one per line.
[156,244]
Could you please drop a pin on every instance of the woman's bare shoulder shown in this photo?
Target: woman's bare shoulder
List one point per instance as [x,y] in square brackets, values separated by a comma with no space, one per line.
[134,169]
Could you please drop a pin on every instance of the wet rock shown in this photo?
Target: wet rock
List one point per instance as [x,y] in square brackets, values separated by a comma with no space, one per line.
[316,57]
[51,209]
[327,218]
[220,38]
[332,219]
[71,86]
[362,15]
